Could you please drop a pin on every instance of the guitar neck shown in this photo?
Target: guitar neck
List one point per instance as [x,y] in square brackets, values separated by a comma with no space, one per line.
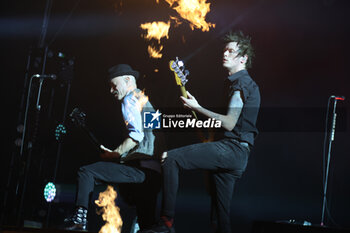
[92,138]
[180,77]
[184,94]
[183,91]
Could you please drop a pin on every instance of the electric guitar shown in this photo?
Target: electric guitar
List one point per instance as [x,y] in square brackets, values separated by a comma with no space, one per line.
[178,67]
[78,118]
[180,73]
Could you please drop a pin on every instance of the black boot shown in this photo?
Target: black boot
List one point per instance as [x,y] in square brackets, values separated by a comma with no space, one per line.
[161,227]
[78,221]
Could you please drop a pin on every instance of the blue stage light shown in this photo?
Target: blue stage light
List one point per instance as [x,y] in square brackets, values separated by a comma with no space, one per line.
[49,192]
[60,132]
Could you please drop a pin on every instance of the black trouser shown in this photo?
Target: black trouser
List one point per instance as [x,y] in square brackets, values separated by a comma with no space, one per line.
[225,159]
[140,186]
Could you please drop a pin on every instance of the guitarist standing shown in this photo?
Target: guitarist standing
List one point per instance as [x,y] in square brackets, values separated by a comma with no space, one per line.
[226,159]
[132,163]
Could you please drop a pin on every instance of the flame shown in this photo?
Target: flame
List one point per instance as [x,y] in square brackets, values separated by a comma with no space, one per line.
[156,30]
[176,20]
[154,51]
[110,211]
[193,11]
[171,2]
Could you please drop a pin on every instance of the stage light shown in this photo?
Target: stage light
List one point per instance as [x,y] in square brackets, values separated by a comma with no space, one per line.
[60,132]
[49,192]
[61,55]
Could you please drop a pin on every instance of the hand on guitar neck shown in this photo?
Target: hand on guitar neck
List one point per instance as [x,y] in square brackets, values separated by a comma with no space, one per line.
[190,102]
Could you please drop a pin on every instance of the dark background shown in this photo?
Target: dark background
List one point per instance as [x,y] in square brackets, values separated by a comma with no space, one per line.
[302,52]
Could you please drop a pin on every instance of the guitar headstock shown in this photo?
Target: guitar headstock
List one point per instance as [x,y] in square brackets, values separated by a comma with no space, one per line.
[180,73]
[78,117]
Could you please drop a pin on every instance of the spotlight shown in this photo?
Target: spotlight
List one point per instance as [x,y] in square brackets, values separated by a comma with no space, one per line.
[61,55]
[60,132]
[49,192]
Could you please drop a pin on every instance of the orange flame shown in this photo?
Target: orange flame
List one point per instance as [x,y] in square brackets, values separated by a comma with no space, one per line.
[110,211]
[194,11]
[155,52]
[176,20]
[171,2]
[156,30]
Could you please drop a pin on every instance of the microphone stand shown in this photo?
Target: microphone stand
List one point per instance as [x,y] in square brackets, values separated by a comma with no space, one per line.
[328,162]
[27,160]
[30,144]
[39,93]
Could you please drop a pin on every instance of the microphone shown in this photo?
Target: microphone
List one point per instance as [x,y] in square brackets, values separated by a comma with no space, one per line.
[45,76]
[338,97]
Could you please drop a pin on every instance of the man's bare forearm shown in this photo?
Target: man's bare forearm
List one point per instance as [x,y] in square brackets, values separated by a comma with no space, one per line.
[228,121]
[126,146]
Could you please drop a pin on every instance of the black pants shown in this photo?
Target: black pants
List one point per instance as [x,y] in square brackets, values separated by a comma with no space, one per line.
[225,159]
[139,186]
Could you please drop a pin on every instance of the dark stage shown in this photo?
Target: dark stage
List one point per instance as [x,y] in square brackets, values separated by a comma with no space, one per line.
[301,54]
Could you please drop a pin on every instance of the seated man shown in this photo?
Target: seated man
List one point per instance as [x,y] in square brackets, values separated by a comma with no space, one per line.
[132,162]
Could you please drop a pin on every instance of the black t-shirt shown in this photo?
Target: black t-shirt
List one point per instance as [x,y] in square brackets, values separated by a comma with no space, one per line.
[245,129]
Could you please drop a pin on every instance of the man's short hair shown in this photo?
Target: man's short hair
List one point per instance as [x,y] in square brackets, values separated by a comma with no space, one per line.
[244,45]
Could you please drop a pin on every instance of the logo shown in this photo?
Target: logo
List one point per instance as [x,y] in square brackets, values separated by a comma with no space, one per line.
[151,120]
[157,120]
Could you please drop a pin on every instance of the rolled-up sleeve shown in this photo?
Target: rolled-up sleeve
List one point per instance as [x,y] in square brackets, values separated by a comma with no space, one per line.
[132,117]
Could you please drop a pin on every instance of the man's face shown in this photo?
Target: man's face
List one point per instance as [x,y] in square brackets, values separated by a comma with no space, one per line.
[119,87]
[231,59]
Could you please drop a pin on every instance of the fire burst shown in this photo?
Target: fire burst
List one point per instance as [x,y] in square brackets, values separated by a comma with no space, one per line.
[154,51]
[110,211]
[193,11]
[156,30]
